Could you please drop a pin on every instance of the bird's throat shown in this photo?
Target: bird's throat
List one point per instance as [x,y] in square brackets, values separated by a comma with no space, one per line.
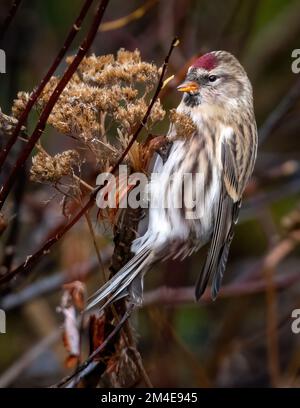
[192,100]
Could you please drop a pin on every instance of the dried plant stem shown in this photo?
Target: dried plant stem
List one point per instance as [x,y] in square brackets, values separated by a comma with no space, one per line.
[98,254]
[123,21]
[10,246]
[12,12]
[84,183]
[84,47]
[169,296]
[116,329]
[137,356]
[35,94]
[33,259]
[45,286]
[124,233]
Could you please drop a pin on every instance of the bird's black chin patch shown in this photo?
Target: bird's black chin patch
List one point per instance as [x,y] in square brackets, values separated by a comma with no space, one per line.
[192,99]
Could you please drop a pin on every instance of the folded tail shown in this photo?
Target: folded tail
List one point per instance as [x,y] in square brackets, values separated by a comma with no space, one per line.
[118,286]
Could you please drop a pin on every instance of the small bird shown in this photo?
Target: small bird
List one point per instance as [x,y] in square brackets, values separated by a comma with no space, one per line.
[217,98]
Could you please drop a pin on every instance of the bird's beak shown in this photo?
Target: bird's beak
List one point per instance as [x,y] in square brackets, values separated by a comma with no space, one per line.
[188,86]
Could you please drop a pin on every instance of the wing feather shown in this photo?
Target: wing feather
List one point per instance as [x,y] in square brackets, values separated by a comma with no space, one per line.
[226,216]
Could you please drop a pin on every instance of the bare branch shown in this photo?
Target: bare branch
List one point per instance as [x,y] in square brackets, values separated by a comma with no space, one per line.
[11,14]
[116,329]
[35,94]
[184,295]
[54,282]
[83,48]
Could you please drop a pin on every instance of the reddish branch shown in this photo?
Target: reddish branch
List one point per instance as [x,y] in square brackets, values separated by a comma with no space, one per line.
[84,47]
[80,271]
[9,18]
[169,296]
[34,96]
[33,259]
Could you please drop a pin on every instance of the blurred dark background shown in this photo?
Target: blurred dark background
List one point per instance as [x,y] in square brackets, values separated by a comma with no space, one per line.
[244,338]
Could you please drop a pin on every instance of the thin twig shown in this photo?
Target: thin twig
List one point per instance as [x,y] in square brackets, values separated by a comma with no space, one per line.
[186,295]
[50,284]
[14,230]
[123,21]
[136,354]
[11,14]
[83,48]
[248,26]
[276,116]
[98,254]
[116,329]
[83,374]
[35,94]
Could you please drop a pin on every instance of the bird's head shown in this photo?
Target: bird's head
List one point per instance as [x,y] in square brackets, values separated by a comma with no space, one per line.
[216,78]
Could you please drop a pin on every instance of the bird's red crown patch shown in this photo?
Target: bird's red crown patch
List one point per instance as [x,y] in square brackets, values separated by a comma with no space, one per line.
[207,61]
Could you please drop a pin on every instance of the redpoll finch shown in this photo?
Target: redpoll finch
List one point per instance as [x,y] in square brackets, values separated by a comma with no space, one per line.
[217,99]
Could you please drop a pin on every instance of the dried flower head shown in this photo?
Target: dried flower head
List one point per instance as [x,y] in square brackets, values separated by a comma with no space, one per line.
[182,125]
[105,93]
[20,103]
[46,168]
[7,124]
[126,69]
[100,107]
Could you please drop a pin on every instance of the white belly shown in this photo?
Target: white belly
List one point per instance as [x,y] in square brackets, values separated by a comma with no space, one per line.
[167,222]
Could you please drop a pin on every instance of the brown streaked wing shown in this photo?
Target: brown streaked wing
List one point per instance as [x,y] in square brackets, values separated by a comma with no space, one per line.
[226,217]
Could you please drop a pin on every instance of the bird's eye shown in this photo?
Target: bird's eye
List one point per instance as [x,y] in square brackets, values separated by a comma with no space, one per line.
[212,78]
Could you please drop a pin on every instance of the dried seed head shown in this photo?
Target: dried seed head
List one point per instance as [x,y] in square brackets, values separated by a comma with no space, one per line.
[20,103]
[106,92]
[7,124]
[183,126]
[46,168]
